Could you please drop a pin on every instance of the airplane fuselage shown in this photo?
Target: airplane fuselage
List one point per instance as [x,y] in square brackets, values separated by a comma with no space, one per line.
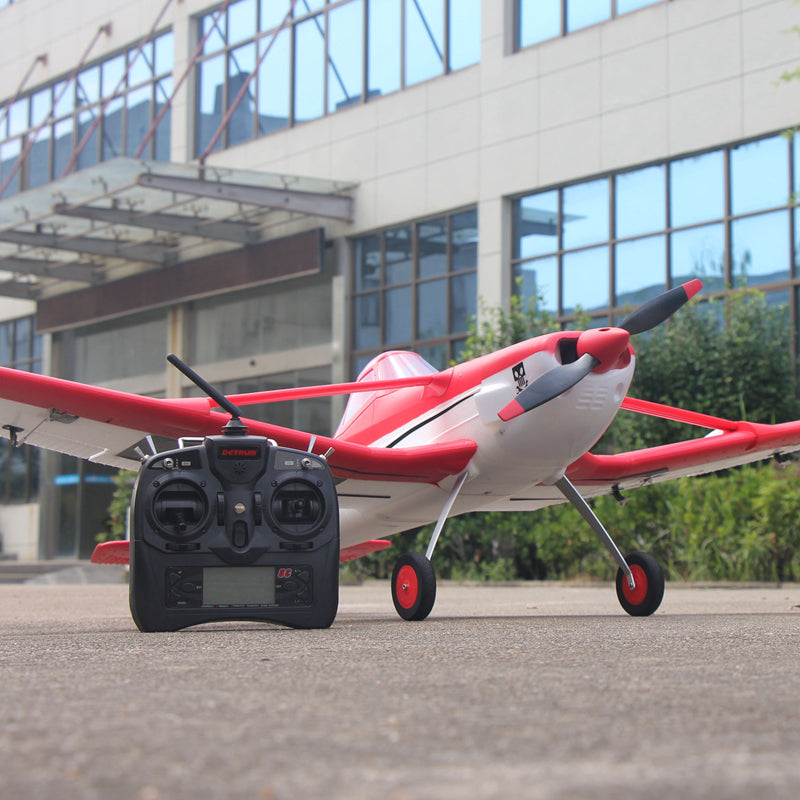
[516,461]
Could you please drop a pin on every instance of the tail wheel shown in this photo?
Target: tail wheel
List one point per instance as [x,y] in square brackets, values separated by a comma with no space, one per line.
[413,586]
[646,597]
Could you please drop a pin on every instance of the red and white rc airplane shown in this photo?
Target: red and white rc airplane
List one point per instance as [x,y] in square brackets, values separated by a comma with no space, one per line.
[506,431]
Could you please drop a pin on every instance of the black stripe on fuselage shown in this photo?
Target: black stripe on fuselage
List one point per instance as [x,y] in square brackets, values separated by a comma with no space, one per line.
[424,422]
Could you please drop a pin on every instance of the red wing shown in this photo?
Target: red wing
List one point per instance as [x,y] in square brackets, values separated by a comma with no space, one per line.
[728,444]
[111,427]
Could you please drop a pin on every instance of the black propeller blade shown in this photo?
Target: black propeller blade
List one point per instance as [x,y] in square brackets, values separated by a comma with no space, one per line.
[607,343]
[660,308]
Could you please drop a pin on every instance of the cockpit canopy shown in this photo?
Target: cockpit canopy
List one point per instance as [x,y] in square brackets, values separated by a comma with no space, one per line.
[384,367]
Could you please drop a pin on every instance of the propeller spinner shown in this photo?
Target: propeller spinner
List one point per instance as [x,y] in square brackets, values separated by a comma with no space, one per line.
[599,349]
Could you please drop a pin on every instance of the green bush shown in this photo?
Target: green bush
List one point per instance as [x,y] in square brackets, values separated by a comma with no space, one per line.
[740,525]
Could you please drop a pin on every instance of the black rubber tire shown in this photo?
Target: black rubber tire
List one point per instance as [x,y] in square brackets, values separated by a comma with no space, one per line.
[649,591]
[413,586]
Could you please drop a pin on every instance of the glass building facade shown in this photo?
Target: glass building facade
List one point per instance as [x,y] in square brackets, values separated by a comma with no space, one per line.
[329,55]
[539,20]
[20,348]
[415,286]
[727,216]
[113,102]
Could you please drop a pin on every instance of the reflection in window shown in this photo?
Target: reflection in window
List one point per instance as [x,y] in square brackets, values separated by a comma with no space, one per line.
[399,263]
[316,65]
[367,322]
[585,284]
[759,178]
[582,13]
[636,274]
[273,84]
[759,249]
[699,253]
[538,281]
[697,189]
[368,263]
[242,62]
[398,316]
[111,351]
[344,61]
[463,292]
[538,20]
[128,114]
[464,34]
[272,321]
[640,202]
[211,78]
[431,299]
[424,50]
[309,98]
[651,249]
[585,213]
[796,242]
[416,286]
[432,247]
[20,348]
[383,46]
[796,166]
[536,225]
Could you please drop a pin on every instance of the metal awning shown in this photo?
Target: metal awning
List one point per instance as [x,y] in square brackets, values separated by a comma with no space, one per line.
[127,216]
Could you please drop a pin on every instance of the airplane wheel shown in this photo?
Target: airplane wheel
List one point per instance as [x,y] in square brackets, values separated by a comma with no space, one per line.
[646,597]
[413,586]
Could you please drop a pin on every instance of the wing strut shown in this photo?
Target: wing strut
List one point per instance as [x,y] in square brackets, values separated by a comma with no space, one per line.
[571,493]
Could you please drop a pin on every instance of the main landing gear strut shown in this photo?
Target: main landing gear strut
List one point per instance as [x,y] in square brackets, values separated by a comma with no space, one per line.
[640,580]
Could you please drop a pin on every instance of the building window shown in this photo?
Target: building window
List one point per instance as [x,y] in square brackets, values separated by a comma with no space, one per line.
[64,112]
[20,348]
[111,351]
[415,287]
[728,217]
[539,20]
[329,56]
[275,319]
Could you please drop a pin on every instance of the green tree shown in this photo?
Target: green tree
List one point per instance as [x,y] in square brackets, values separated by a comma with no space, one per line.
[725,357]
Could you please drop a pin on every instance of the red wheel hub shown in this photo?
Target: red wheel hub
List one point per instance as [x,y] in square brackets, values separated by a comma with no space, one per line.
[635,596]
[407,586]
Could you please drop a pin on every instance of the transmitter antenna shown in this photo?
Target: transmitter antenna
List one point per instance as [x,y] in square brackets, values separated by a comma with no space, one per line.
[234,426]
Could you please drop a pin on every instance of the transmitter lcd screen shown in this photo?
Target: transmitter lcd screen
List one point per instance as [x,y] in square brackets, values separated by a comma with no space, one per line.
[239,586]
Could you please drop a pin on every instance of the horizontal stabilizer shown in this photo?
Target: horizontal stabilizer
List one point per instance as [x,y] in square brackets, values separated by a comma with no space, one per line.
[112,553]
[119,552]
[363,549]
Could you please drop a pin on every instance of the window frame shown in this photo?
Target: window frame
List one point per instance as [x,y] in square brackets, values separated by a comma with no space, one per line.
[563,26]
[451,338]
[721,285]
[29,360]
[323,13]
[74,113]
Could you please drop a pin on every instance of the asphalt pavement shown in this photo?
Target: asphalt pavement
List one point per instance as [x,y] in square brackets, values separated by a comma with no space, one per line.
[512,691]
